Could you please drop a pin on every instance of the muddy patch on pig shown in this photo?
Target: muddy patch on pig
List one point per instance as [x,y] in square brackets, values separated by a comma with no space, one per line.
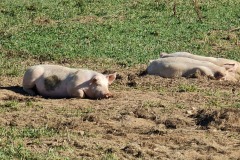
[51,82]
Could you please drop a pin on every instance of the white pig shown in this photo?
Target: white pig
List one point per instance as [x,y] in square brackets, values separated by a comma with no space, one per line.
[62,82]
[230,65]
[172,67]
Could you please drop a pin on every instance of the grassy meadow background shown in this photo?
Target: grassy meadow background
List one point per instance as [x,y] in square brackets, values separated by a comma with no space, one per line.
[128,32]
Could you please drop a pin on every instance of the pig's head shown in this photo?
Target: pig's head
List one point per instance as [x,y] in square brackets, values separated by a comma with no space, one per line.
[98,86]
[231,67]
[231,72]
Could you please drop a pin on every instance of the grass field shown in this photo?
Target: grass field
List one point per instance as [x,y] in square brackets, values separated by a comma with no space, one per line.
[102,34]
[129,32]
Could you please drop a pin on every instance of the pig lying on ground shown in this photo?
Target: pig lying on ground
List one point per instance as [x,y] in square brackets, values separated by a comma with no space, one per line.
[62,82]
[172,67]
[231,65]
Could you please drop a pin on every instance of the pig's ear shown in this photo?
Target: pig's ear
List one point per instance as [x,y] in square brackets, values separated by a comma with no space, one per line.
[111,77]
[231,67]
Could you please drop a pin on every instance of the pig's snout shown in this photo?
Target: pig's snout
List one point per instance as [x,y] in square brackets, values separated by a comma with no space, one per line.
[108,95]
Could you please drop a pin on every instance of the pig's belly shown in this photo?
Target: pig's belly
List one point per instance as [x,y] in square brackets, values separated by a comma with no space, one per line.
[172,70]
[53,90]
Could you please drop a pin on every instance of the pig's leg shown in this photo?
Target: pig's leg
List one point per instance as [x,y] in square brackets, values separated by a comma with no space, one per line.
[205,71]
[78,93]
[198,72]
[29,79]
[75,88]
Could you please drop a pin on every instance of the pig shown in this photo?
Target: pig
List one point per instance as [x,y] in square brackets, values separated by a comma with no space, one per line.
[230,65]
[173,67]
[56,81]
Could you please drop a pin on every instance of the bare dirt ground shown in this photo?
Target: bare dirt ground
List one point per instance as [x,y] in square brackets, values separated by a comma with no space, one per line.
[149,117]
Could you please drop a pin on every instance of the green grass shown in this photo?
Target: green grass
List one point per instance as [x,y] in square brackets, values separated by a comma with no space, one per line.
[219,98]
[109,156]
[12,144]
[187,88]
[9,66]
[27,132]
[11,105]
[79,112]
[129,32]
[15,105]
[151,104]
[237,105]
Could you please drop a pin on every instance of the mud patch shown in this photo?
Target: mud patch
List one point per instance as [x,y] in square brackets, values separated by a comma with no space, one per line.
[225,119]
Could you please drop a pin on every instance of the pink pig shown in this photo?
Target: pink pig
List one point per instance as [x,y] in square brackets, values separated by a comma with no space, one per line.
[230,65]
[172,67]
[62,82]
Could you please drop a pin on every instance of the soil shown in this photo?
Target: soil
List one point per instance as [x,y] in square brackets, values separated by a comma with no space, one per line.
[149,117]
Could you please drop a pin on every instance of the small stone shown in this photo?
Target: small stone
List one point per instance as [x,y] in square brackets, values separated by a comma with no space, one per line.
[189,112]
[81,133]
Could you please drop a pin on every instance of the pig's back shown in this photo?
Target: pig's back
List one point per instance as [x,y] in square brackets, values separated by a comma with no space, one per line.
[54,80]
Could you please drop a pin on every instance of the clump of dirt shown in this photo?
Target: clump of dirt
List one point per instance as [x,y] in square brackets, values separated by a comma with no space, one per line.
[91,118]
[115,132]
[145,113]
[133,149]
[173,123]
[224,119]
[127,79]
[157,130]
[43,21]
